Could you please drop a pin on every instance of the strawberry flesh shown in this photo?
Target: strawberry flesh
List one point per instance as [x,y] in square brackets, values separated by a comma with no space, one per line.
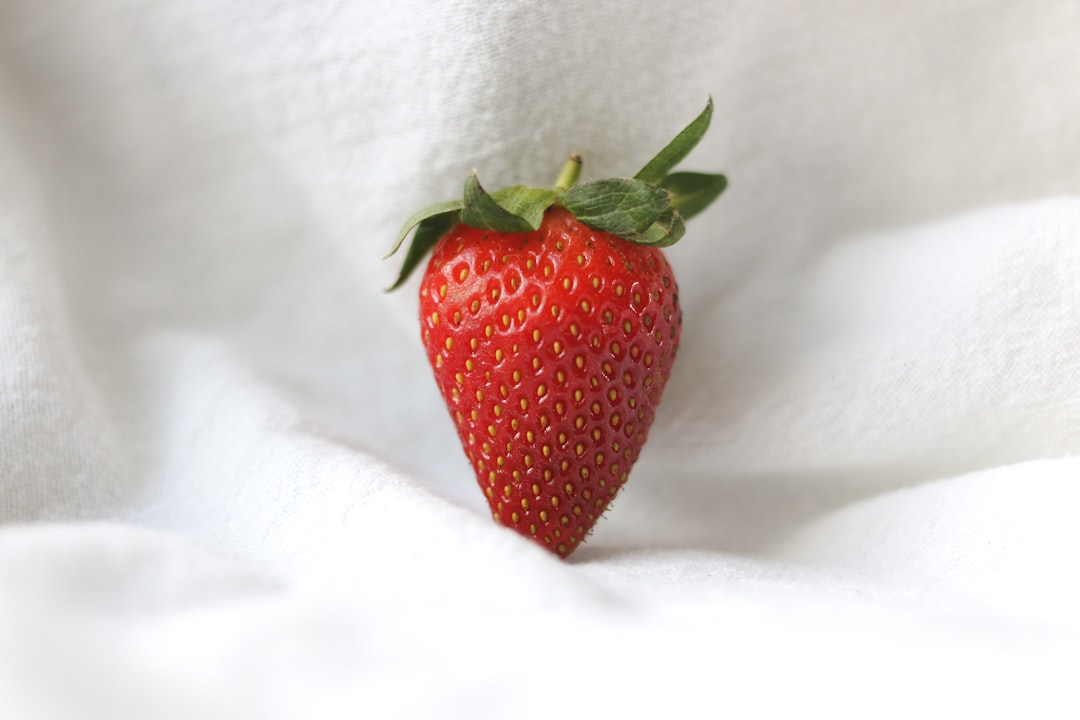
[552,349]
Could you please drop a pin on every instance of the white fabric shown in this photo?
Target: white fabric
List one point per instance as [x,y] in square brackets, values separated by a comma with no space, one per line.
[228,486]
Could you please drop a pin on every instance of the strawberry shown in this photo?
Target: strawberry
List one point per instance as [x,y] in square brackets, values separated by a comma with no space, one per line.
[551,320]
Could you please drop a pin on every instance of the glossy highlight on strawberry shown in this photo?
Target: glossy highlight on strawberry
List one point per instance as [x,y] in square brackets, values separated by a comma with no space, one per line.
[551,321]
[551,349]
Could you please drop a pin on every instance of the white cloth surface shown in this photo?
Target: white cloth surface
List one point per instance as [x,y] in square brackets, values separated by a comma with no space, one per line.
[227,485]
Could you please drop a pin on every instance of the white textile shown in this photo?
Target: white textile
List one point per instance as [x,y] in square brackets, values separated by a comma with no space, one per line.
[228,488]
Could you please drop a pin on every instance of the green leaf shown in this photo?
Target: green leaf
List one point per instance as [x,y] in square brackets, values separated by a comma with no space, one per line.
[620,206]
[678,148]
[429,231]
[419,217]
[483,211]
[526,203]
[667,230]
[692,192]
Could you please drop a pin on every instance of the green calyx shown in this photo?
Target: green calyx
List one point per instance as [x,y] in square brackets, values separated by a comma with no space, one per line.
[648,209]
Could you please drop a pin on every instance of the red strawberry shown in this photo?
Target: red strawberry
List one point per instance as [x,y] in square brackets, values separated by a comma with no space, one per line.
[551,320]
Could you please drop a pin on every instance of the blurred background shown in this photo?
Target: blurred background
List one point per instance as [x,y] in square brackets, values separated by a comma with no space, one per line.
[876,390]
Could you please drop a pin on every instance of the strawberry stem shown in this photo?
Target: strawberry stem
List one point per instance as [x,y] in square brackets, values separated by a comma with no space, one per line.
[569,175]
